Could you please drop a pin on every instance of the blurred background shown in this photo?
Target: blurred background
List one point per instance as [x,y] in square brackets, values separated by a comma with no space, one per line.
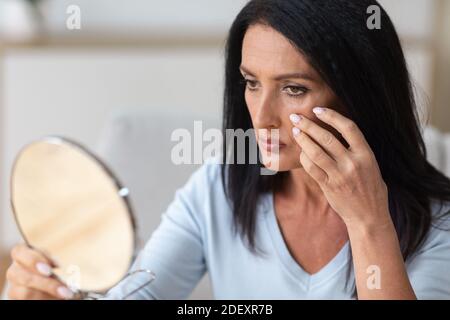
[158,62]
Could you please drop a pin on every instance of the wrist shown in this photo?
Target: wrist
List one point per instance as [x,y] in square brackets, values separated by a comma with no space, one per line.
[372,229]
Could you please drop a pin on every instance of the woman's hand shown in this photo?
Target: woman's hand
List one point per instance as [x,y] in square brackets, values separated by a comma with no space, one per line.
[30,277]
[352,183]
[350,178]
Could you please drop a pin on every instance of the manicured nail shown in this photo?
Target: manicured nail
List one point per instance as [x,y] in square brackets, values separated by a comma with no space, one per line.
[318,110]
[295,118]
[295,131]
[44,269]
[65,293]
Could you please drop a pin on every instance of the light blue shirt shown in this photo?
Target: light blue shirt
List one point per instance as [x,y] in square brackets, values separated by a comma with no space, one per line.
[196,236]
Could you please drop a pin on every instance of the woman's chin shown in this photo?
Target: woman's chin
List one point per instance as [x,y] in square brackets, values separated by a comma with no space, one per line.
[279,163]
[273,163]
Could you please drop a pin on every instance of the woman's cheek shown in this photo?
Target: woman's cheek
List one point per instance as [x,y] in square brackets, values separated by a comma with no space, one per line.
[302,105]
[249,101]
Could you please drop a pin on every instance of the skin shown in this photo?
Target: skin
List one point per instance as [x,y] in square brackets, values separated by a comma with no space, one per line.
[27,282]
[334,192]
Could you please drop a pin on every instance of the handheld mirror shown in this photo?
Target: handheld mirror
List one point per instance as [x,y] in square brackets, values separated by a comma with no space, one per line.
[69,206]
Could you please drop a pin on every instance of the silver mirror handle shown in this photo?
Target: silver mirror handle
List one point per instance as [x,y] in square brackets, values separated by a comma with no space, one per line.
[96,296]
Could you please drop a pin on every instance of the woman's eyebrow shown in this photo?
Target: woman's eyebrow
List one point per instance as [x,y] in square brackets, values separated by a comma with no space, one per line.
[293,75]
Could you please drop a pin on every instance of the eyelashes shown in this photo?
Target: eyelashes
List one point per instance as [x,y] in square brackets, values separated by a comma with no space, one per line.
[298,90]
[250,84]
[294,91]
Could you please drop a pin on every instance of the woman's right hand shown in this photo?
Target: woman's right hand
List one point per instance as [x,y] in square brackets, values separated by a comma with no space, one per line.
[30,277]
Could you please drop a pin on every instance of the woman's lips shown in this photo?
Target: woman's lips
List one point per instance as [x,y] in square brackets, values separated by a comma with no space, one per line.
[268,145]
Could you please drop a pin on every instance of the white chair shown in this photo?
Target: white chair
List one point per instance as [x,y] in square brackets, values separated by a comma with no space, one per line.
[137,147]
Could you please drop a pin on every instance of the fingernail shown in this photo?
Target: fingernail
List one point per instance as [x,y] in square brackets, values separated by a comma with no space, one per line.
[295,118]
[318,110]
[295,131]
[65,293]
[44,269]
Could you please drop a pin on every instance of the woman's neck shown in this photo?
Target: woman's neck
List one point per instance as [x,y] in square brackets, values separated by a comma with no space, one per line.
[300,188]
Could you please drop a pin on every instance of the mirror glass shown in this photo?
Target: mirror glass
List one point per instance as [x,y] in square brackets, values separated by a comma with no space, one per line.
[68,205]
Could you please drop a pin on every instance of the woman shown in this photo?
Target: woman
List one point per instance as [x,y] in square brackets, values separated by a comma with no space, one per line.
[354,209]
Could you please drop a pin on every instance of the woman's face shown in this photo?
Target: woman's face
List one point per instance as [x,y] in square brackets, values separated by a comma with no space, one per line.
[279,82]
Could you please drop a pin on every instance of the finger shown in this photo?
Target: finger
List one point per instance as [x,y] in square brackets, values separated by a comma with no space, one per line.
[314,151]
[17,292]
[19,275]
[312,169]
[348,129]
[323,137]
[32,259]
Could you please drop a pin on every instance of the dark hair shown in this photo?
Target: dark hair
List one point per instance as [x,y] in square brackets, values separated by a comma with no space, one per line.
[366,70]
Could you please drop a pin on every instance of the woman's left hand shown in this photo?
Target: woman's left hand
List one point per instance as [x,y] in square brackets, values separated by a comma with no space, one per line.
[350,178]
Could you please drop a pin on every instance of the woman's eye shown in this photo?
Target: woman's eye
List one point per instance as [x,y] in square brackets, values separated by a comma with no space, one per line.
[295,90]
[251,84]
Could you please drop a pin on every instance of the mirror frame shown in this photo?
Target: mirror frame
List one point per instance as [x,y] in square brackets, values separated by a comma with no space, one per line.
[58,139]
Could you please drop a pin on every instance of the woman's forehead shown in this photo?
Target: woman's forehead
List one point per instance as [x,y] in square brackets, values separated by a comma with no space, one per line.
[266,51]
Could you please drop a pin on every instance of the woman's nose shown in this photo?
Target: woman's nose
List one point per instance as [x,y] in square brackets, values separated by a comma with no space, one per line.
[267,114]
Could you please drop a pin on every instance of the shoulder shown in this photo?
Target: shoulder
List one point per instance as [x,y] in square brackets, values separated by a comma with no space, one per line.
[428,266]
[440,225]
[201,193]
[211,168]
[439,233]
[440,211]
[205,179]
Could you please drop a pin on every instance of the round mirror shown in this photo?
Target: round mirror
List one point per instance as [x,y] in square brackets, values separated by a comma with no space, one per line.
[69,206]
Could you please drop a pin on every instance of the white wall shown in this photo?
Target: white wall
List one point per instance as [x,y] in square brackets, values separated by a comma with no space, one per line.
[146,17]
[412,18]
[49,91]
